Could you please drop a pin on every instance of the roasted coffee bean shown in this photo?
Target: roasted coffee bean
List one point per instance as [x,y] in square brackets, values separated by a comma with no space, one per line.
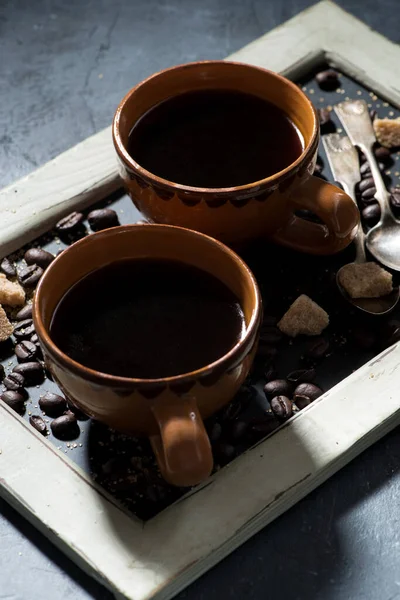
[365,169]
[366,184]
[395,197]
[2,372]
[30,276]
[14,400]
[270,335]
[65,427]
[224,453]
[328,80]
[76,411]
[262,426]
[70,223]
[368,194]
[24,329]
[302,375]
[38,256]
[214,432]
[8,267]
[53,404]
[267,351]
[103,218]
[270,372]
[326,124]
[310,390]
[363,338]
[240,402]
[383,154]
[24,313]
[14,382]
[371,213]
[317,348]
[278,387]
[32,371]
[302,401]
[34,339]
[282,407]
[38,423]
[25,351]
[236,430]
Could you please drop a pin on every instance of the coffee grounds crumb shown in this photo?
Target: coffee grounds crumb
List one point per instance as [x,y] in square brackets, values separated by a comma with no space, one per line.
[365,280]
[387,132]
[11,293]
[6,329]
[304,317]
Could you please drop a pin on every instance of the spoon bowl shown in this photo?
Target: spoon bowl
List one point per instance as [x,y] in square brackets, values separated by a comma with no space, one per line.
[383,242]
[372,306]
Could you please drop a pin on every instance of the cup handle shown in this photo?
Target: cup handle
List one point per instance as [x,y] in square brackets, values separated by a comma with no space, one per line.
[182,447]
[337,211]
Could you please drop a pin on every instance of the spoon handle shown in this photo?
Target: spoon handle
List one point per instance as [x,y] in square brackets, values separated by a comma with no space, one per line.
[354,116]
[343,161]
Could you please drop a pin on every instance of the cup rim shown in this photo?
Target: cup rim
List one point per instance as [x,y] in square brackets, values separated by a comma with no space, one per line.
[135,166]
[118,381]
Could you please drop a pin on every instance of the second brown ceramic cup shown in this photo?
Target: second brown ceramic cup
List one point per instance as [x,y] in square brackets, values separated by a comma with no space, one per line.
[170,411]
[266,208]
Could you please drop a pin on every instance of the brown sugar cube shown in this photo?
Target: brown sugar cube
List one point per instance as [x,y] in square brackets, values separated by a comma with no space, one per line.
[365,280]
[6,328]
[387,132]
[11,293]
[304,317]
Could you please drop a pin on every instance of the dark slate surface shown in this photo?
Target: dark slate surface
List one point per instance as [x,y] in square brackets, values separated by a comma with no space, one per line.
[64,66]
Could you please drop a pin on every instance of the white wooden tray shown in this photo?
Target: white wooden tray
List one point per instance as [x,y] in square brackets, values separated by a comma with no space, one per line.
[159,558]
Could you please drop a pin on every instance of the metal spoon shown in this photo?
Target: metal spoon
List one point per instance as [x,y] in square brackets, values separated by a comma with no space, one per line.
[382,240]
[343,161]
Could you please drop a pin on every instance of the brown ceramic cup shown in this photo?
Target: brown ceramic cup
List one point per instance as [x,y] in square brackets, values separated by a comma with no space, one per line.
[266,208]
[169,410]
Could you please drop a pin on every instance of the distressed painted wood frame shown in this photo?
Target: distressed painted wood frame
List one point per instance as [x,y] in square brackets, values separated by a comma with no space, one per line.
[157,559]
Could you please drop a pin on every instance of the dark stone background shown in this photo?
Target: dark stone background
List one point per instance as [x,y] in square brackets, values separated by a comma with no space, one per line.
[63,68]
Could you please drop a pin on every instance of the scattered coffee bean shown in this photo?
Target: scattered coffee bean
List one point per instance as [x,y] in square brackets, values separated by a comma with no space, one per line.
[302,401]
[328,80]
[363,338]
[317,348]
[24,329]
[25,351]
[70,223]
[278,387]
[30,276]
[310,390]
[65,427]
[38,256]
[14,400]
[53,405]
[14,382]
[369,193]
[366,184]
[24,313]
[302,375]
[371,213]
[383,154]
[395,197]
[236,431]
[103,218]
[38,423]
[8,267]
[32,372]
[76,411]
[270,372]
[325,122]
[282,407]
[270,335]
[265,425]
[240,402]
[214,432]
[224,453]
[267,351]
[34,339]
[365,169]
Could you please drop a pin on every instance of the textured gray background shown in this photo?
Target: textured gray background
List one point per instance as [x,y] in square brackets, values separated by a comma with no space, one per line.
[63,68]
